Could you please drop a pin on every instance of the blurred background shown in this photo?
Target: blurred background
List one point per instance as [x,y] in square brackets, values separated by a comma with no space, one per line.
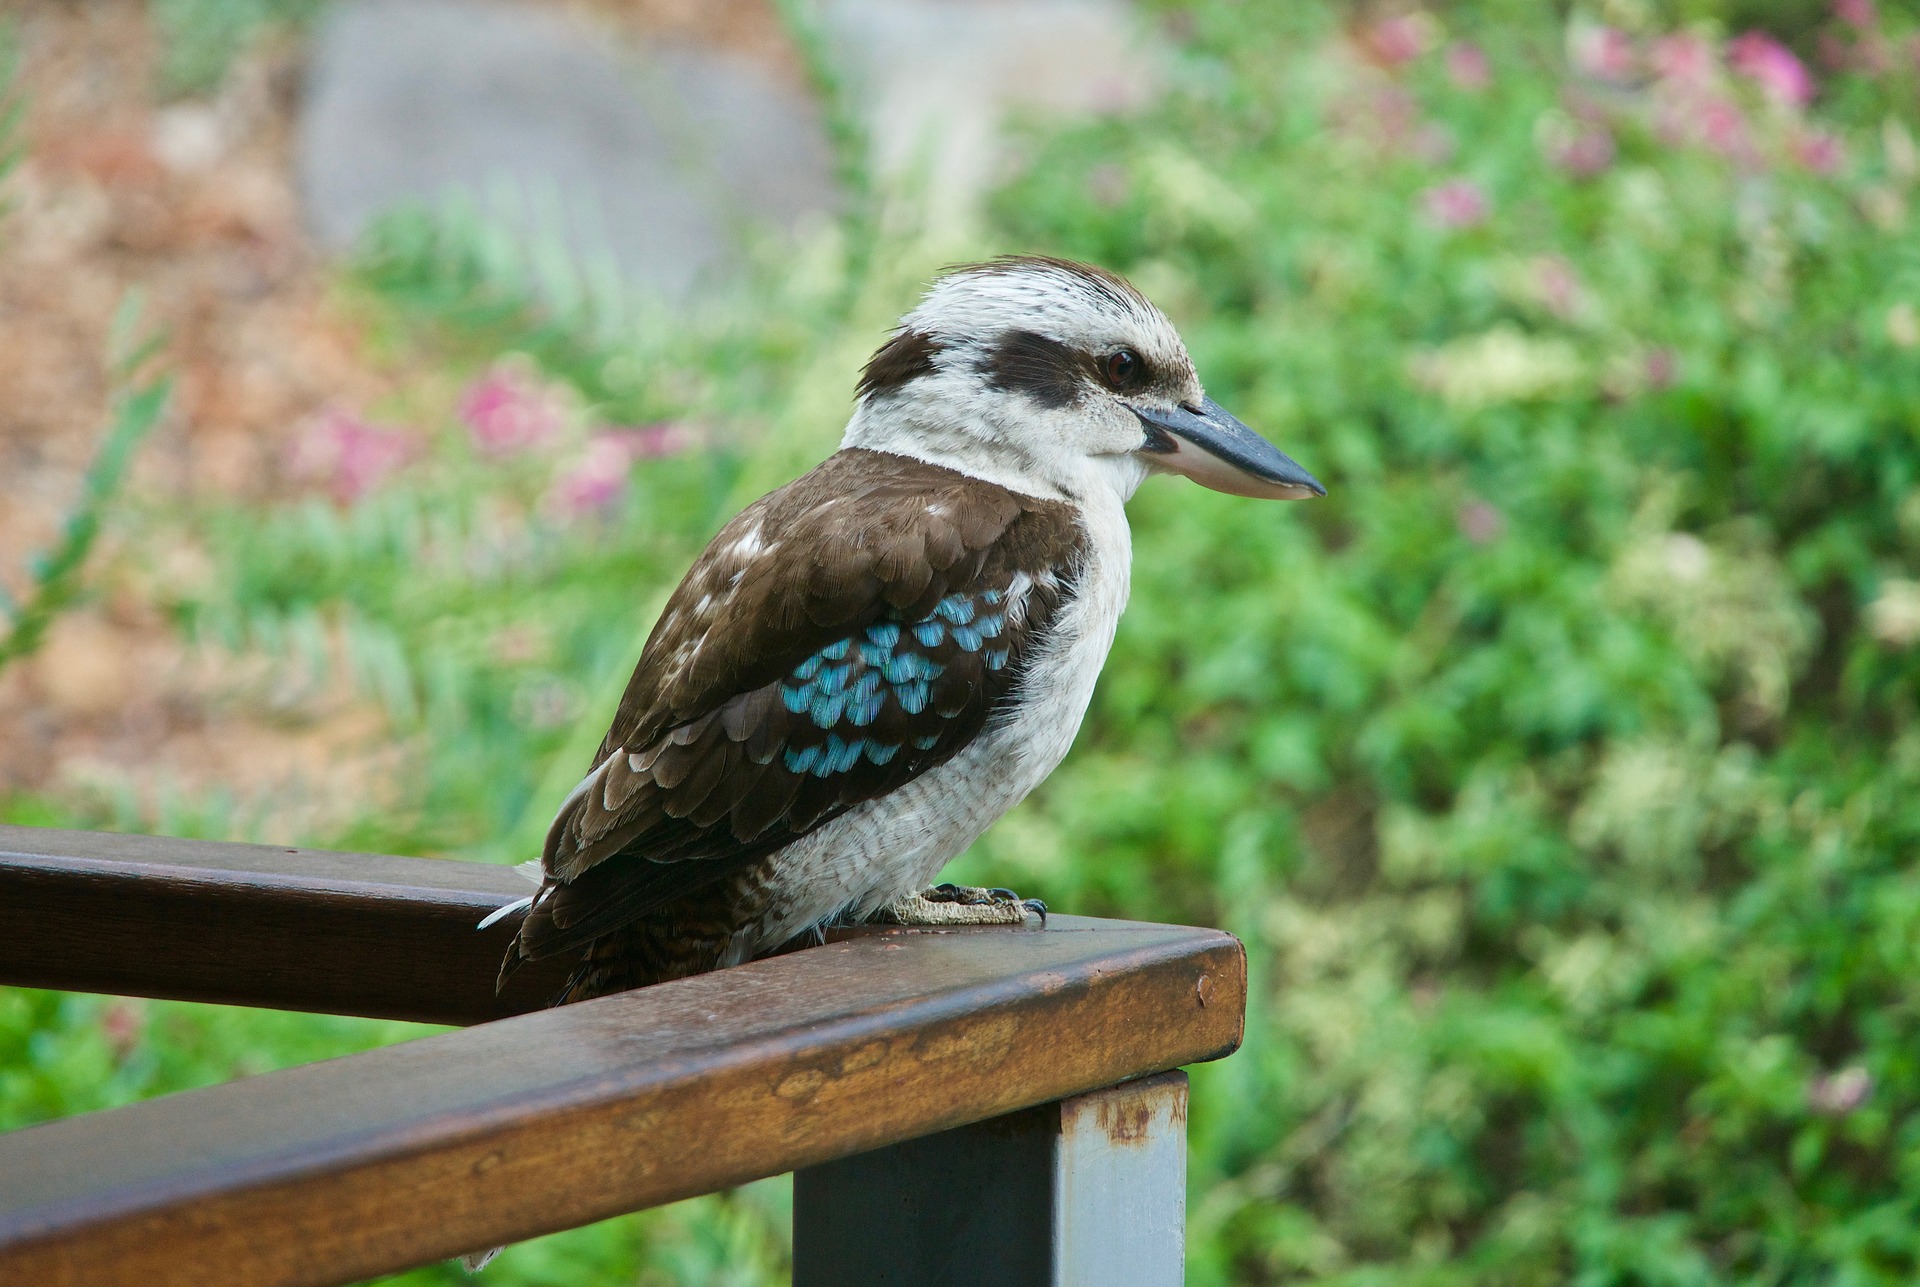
[370,370]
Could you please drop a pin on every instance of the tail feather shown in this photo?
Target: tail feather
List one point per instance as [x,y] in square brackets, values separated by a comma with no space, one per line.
[501,913]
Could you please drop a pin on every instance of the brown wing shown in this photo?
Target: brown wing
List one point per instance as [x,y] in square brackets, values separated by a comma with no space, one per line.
[840,637]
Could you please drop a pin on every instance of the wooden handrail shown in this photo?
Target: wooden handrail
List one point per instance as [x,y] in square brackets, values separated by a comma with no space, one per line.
[295,929]
[341,1170]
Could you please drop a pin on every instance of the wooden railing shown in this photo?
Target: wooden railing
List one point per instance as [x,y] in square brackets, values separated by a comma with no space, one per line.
[960,1107]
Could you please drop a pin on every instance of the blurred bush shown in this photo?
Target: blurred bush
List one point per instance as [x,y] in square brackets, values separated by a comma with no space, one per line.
[1558,769]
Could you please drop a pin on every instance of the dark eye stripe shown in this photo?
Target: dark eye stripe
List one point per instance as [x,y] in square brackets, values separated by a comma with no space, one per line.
[1049,372]
[1057,375]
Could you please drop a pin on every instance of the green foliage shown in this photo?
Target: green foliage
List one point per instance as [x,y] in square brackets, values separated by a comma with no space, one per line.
[61,1054]
[140,399]
[1558,769]
[56,575]
[199,39]
[10,106]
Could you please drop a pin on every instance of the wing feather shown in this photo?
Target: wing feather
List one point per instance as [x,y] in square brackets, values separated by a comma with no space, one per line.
[837,639]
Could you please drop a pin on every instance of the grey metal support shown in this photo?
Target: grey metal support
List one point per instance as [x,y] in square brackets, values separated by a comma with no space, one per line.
[1084,1192]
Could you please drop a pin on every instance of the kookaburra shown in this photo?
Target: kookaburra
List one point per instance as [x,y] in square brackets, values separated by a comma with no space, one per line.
[870,665]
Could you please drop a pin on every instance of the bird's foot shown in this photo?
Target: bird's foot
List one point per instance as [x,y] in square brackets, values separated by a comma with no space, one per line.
[962,905]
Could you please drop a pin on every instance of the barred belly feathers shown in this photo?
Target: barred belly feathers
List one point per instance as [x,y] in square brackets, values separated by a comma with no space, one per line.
[869,666]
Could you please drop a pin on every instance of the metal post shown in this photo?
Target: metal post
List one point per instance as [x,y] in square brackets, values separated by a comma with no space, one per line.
[1084,1192]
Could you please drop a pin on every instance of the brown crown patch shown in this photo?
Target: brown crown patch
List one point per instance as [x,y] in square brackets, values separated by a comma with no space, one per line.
[904,358]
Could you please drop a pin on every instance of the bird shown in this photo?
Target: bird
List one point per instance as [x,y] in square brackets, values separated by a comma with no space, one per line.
[870,665]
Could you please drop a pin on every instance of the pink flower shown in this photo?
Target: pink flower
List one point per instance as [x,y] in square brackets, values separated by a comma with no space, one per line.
[123,1023]
[1721,125]
[1691,101]
[1818,151]
[1662,368]
[1468,68]
[1583,152]
[1685,59]
[510,410]
[1457,203]
[650,442]
[1603,53]
[1396,41]
[1769,64]
[1839,1093]
[347,454]
[597,478]
[1710,119]
[1855,13]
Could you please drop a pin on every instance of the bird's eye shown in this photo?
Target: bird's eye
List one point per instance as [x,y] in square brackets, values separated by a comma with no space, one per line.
[1124,368]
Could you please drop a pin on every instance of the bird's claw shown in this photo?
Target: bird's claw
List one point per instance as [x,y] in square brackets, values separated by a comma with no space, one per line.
[972,895]
[949,904]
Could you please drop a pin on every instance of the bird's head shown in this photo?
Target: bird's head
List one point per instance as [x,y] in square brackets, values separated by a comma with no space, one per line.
[1056,378]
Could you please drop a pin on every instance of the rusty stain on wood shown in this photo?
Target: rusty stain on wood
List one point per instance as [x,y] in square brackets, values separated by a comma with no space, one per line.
[1124,1114]
[1124,1124]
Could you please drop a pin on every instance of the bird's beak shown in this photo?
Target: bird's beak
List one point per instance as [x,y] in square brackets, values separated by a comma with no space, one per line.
[1215,450]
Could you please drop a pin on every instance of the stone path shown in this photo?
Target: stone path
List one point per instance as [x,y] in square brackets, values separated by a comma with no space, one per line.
[667,161]
[663,164]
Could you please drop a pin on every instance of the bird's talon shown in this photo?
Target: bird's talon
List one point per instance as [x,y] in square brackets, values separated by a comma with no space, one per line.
[961,905]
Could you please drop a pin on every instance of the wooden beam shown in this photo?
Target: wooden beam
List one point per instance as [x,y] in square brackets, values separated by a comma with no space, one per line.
[295,929]
[342,1170]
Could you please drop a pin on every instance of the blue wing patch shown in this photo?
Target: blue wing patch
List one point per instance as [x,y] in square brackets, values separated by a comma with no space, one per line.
[847,686]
